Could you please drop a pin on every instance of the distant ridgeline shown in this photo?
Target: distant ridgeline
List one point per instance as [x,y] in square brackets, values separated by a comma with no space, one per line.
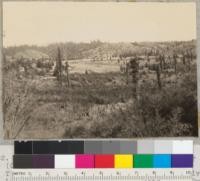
[98,50]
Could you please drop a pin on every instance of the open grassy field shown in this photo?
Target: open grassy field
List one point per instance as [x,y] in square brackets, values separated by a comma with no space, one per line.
[80,66]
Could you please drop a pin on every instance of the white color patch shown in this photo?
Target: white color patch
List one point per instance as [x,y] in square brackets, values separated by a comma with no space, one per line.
[183,147]
[64,161]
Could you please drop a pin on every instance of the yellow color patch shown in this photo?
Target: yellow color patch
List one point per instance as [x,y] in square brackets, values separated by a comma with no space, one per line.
[123,161]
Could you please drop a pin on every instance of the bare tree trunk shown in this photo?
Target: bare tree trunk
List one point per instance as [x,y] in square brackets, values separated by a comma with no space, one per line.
[161,63]
[68,83]
[127,73]
[158,77]
[134,69]
[175,64]
[189,66]
[164,63]
[183,59]
[59,67]
[67,71]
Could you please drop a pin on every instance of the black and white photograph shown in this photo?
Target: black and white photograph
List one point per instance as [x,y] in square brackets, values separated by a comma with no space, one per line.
[99,69]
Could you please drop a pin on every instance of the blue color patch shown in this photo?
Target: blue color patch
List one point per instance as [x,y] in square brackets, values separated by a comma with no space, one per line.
[162,161]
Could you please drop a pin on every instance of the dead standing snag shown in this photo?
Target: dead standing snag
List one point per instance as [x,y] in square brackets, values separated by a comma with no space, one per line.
[134,71]
[67,72]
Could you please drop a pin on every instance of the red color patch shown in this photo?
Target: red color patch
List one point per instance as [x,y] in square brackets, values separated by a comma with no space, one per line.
[104,161]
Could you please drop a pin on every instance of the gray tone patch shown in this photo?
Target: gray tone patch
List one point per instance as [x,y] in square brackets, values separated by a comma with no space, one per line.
[111,147]
[128,147]
[145,147]
[93,147]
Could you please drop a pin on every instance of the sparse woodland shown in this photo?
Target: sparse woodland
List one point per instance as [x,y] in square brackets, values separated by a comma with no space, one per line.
[100,90]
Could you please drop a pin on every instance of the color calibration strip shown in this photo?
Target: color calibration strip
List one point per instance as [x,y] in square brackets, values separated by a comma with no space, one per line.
[104,147]
[104,154]
[104,161]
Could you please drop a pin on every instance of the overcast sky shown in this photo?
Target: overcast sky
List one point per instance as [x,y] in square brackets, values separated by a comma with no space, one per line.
[41,23]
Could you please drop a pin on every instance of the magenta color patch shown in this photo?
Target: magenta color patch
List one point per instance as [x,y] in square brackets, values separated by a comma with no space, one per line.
[85,161]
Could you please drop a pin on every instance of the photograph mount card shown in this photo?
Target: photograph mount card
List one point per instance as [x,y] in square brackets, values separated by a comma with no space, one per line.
[99,70]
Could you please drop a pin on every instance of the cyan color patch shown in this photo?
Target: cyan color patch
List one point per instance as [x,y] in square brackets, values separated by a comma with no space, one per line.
[162,161]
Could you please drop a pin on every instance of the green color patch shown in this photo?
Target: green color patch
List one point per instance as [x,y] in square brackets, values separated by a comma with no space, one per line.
[143,161]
